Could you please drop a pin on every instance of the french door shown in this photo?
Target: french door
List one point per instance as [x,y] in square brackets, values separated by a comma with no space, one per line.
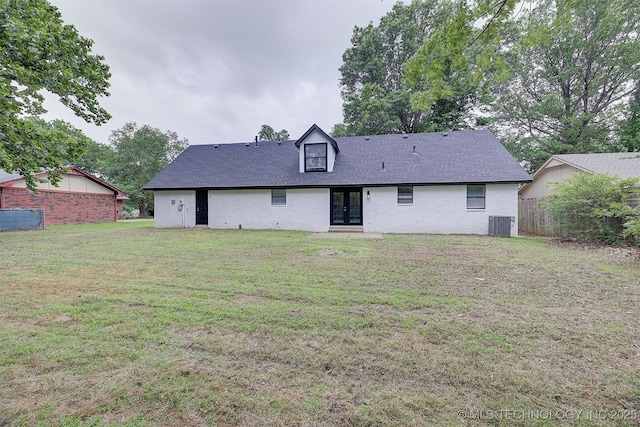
[346,206]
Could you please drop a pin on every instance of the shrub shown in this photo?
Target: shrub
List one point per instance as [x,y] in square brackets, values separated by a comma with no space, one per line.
[632,230]
[128,212]
[596,206]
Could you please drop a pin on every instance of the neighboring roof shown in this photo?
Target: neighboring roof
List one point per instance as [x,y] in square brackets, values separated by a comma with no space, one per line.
[6,178]
[439,158]
[623,165]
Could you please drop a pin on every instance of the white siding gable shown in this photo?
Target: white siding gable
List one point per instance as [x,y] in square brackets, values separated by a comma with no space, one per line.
[541,186]
[71,183]
[316,137]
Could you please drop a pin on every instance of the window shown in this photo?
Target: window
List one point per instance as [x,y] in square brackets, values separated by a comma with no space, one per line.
[475,196]
[278,196]
[315,157]
[405,195]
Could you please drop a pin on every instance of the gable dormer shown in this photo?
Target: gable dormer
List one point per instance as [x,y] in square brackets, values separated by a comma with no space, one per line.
[317,151]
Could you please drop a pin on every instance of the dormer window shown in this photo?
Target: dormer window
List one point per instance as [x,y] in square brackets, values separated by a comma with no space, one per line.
[318,151]
[315,157]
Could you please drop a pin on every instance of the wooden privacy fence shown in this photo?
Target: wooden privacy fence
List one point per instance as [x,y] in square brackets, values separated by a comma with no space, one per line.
[534,219]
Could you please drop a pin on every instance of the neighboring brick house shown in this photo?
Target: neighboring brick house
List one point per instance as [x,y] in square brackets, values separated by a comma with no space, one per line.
[79,198]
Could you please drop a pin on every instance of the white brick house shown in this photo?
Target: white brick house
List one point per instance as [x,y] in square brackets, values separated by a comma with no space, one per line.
[416,183]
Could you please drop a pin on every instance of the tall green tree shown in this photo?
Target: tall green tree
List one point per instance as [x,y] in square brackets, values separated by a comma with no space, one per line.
[451,71]
[339,130]
[267,133]
[630,126]
[39,52]
[573,64]
[140,154]
[98,159]
[376,92]
[71,140]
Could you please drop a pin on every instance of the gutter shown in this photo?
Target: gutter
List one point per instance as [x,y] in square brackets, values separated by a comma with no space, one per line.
[266,187]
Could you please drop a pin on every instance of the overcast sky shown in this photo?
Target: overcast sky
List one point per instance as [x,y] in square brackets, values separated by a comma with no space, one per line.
[215,71]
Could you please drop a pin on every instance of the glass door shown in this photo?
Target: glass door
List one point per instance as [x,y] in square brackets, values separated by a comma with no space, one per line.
[346,206]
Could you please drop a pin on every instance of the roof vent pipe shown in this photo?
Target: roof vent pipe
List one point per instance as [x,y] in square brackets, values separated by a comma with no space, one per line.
[414,149]
[383,169]
[256,140]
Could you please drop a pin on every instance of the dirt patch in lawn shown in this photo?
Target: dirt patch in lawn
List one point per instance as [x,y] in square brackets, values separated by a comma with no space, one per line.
[581,244]
[330,252]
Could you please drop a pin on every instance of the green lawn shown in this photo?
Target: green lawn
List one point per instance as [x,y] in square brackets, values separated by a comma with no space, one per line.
[123,324]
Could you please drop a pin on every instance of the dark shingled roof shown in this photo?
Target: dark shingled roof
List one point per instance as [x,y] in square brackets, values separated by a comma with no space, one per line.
[453,158]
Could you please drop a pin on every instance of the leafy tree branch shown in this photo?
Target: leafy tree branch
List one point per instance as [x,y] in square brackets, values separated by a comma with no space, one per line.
[38,52]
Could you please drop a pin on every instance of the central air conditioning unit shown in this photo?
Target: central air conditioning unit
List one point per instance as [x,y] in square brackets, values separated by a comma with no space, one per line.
[500,226]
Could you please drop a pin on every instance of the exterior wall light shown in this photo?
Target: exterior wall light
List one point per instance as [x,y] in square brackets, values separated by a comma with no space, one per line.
[368,195]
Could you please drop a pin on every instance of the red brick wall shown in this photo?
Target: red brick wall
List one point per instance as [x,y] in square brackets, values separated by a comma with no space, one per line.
[62,207]
[119,209]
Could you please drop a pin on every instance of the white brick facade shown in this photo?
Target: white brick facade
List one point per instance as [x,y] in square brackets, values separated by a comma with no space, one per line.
[306,209]
[438,209]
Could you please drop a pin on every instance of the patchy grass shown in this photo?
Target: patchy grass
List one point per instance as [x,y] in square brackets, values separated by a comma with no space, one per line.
[122,324]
